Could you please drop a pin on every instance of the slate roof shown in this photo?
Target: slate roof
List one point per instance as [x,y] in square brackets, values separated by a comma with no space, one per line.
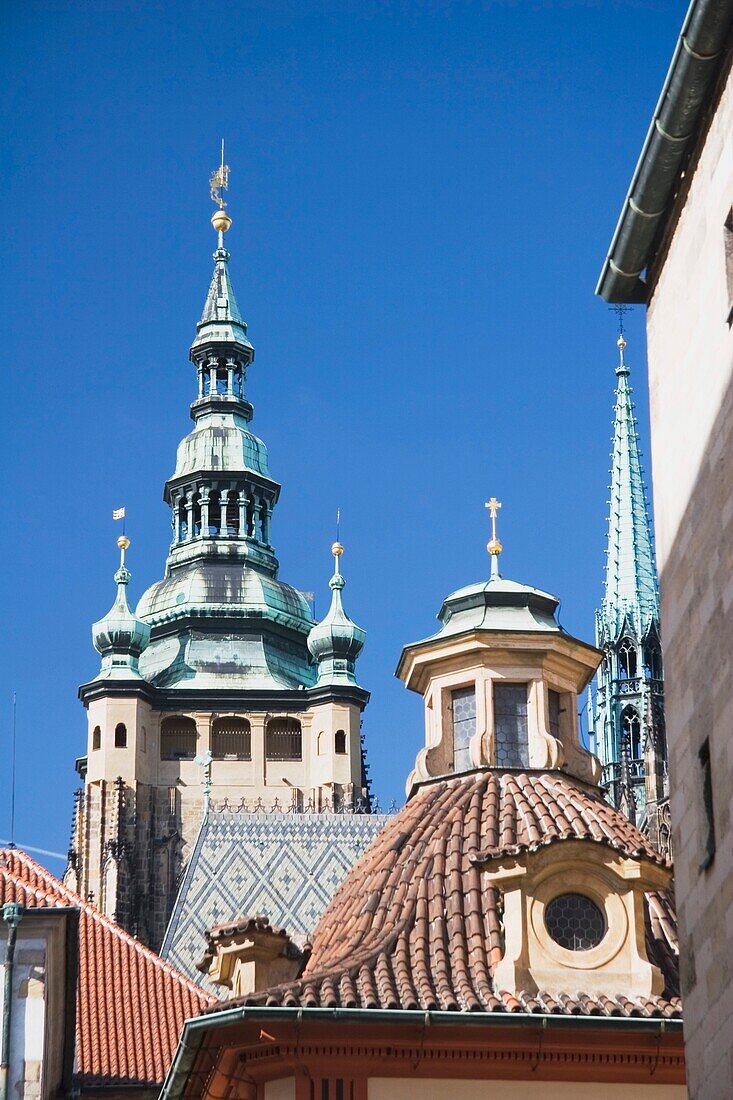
[414,927]
[281,864]
[131,1005]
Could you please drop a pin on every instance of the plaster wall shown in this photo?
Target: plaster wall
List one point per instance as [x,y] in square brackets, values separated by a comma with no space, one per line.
[283,1089]
[386,1088]
[690,346]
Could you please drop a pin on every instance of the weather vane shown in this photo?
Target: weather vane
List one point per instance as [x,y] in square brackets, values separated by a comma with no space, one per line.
[494,545]
[220,181]
[620,310]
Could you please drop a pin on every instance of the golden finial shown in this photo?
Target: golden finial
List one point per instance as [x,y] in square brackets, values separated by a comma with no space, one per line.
[220,182]
[123,542]
[494,546]
[337,549]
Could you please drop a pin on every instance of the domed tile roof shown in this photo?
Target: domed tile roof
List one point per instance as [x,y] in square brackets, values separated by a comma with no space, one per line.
[415,926]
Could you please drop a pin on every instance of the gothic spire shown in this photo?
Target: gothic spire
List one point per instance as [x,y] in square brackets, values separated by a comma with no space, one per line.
[631,592]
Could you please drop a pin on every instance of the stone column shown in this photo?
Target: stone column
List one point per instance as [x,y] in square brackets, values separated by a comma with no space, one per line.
[242,502]
[177,518]
[230,377]
[204,502]
[223,501]
[200,368]
[213,365]
[266,517]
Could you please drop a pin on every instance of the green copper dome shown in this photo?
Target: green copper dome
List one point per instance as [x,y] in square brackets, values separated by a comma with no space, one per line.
[336,642]
[120,637]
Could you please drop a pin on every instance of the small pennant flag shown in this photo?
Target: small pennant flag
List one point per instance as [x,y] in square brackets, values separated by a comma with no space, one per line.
[118,513]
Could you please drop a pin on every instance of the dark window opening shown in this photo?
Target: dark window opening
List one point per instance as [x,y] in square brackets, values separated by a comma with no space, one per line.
[653,662]
[283,739]
[339,746]
[555,710]
[510,725]
[231,739]
[120,736]
[631,730]
[707,802]
[96,738]
[177,738]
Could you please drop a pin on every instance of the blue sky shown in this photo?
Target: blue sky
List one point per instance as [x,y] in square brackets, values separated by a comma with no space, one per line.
[422,194]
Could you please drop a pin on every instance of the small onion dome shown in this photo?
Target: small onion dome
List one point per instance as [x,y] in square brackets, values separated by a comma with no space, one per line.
[120,637]
[336,641]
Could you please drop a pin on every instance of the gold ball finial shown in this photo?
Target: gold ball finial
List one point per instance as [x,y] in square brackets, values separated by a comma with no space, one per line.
[337,549]
[220,221]
[494,546]
[123,542]
[621,342]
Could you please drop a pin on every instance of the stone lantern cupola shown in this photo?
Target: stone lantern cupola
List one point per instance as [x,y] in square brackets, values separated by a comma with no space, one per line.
[500,681]
[120,637]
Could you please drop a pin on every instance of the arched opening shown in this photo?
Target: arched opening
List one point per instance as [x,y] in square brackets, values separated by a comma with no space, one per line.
[339,743]
[283,739]
[653,661]
[232,515]
[182,520]
[627,659]
[231,739]
[177,738]
[120,736]
[631,727]
[197,515]
[96,738]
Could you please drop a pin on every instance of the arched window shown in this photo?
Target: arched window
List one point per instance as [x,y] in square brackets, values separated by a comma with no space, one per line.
[631,726]
[627,659]
[96,738]
[283,739]
[339,743]
[177,738]
[120,735]
[232,515]
[231,739]
[653,661]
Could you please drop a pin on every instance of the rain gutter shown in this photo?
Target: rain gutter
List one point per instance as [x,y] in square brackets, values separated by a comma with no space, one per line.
[697,59]
[12,915]
[194,1030]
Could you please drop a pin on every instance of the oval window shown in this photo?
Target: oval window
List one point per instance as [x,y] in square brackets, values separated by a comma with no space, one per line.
[575,922]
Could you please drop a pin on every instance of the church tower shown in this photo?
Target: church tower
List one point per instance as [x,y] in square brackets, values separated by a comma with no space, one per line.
[629,714]
[220,688]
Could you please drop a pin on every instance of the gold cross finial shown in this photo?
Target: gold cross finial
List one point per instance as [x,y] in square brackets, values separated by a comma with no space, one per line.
[494,545]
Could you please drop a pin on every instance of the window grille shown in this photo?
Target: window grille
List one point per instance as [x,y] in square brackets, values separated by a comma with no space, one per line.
[231,739]
[177,739]
[575,922]
[283,739]
[339,745]
[510,725]
[120,736]
[463,705]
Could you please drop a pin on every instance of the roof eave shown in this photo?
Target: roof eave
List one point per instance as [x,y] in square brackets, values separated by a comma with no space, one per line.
[672,135]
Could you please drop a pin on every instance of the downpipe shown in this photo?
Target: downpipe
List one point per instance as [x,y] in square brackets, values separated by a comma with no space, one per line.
[12,915]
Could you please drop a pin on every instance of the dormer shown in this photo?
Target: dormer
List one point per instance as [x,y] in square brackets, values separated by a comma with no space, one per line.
[500,680]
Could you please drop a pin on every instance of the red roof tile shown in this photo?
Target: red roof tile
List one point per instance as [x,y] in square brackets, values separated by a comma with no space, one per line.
[130,1004]
[413,925]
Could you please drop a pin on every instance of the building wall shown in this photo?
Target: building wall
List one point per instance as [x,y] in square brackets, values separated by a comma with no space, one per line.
[38,1007]
[691,389]
[386,1088]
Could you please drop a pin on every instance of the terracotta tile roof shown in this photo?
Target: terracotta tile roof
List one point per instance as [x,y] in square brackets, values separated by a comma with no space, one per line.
[414,927]
[130,1004]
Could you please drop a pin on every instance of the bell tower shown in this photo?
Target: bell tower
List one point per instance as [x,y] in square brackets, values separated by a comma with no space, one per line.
[220,689]
[629,711]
